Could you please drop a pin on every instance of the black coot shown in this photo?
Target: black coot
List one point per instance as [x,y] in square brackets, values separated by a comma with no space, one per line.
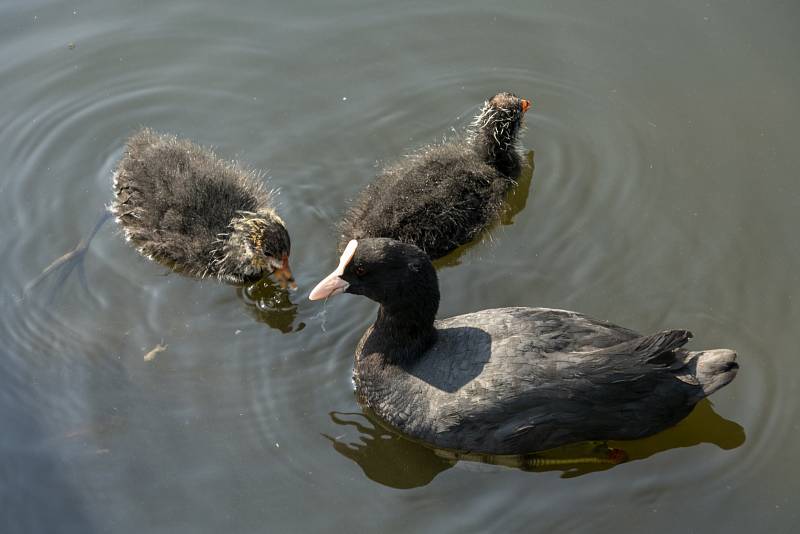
[444,195]
[510,380]
[182,206]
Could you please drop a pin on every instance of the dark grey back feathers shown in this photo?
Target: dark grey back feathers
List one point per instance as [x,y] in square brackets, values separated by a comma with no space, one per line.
[516,380]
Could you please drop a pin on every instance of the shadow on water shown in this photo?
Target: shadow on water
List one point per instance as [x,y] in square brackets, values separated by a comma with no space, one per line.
[516,201]
[393,460]
[270,304]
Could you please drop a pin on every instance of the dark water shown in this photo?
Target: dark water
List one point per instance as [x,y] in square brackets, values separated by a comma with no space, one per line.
[665,195]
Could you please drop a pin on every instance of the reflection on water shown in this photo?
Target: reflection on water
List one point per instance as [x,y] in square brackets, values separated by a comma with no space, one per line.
[703,425]
[518,197]
[387,457]
[271,304]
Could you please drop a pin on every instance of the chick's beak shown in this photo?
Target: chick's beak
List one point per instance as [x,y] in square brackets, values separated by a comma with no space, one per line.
[526,105]
[283,274]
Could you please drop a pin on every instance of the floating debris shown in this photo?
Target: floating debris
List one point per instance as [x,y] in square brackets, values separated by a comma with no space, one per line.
[155,350]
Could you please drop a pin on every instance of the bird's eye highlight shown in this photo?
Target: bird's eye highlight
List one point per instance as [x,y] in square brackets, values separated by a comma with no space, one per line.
[360,270]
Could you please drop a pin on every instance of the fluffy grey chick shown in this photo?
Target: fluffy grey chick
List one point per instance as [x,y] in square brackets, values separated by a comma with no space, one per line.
[443,196]
[182,206]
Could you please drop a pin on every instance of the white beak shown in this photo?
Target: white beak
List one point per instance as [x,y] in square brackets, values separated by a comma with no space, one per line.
[333,283]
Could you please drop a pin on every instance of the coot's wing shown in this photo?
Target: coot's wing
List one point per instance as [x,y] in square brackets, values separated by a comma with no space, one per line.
[559,377]
[545,329]
[486,352]
[621,392]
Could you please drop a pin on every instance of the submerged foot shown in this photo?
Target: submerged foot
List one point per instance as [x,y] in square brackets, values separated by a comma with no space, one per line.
[65,264]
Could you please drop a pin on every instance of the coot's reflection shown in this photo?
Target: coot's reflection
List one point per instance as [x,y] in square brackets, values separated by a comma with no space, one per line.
[387,457]
[269,303]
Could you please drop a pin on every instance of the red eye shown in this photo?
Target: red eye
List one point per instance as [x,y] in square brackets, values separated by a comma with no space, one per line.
[360,271]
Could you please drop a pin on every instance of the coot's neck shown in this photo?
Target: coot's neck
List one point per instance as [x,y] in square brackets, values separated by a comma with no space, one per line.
[404,329]
[494,139]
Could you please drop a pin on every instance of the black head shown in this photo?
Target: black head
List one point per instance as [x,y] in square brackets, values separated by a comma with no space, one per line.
[389,272]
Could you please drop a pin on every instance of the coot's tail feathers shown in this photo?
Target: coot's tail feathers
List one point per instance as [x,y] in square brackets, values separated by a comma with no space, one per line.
[661,349]
[705,370]
[713,369]
[649,348]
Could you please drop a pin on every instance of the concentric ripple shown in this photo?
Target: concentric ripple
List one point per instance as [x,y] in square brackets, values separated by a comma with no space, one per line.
[247,418]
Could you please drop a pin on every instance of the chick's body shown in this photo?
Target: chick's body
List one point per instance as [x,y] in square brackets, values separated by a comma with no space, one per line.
[182,206]
[437,200]
[443,196]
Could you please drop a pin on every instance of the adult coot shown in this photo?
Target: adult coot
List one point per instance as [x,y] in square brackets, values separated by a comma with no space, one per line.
[442,196]
[182,206]
[510,380]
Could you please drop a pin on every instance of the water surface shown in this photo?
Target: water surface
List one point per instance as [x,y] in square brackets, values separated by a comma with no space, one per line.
[665,196]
